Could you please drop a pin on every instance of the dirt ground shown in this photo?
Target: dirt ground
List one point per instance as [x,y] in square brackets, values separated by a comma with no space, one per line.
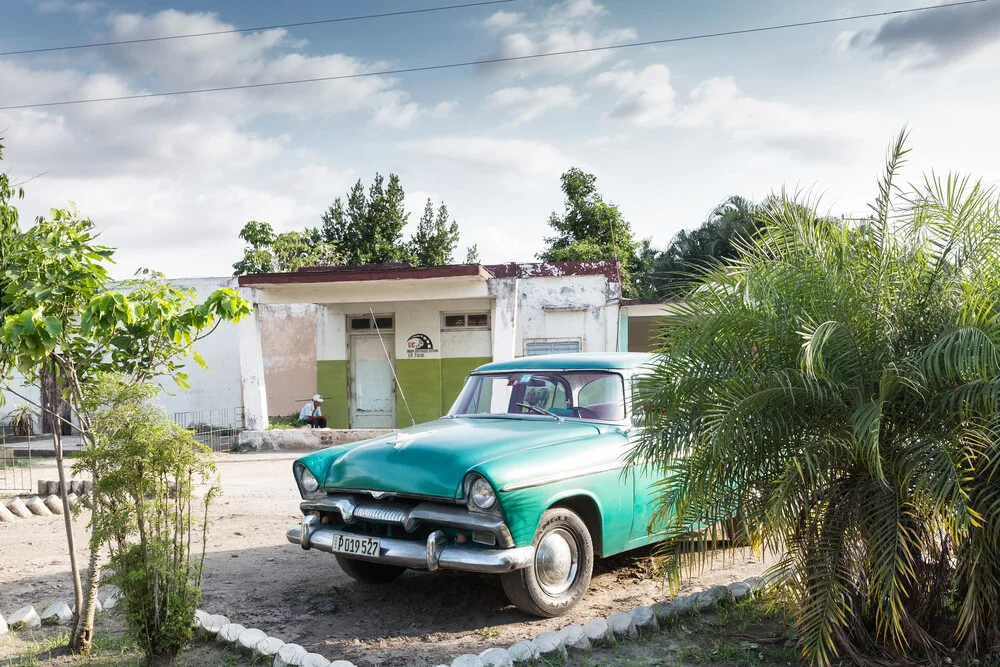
[256,578]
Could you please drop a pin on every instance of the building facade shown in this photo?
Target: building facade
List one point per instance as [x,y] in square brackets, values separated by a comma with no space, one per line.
[394,344]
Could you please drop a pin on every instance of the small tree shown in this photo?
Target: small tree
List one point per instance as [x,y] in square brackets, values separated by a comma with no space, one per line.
[368,229]
[591,229]
[267,252]
[436,237]
[147,469]
[472,254]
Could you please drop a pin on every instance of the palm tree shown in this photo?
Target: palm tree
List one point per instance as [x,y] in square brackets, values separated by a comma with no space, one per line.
[837,387]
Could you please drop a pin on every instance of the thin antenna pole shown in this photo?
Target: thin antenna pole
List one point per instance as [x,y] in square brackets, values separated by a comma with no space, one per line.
[392,367]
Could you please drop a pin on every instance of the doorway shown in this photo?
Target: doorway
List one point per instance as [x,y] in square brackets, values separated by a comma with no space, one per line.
[373,389]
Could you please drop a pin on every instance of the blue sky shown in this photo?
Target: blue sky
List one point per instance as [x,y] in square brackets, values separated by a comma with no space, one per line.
[670,131]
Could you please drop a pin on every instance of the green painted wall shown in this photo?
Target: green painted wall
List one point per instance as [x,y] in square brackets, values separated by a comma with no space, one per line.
[420,380]
[331,382]
[453,374]
[431,386]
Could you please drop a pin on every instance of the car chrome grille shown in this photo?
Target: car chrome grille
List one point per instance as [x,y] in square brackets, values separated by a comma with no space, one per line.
[382,512]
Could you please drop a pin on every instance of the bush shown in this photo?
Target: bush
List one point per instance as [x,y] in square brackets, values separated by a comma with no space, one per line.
[146,469]
[837,387]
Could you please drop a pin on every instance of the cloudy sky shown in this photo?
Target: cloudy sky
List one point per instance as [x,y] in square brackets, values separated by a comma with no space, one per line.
[669,130]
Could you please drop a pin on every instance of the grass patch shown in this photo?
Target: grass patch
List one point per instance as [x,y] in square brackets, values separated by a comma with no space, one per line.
[754,632]
[281,423]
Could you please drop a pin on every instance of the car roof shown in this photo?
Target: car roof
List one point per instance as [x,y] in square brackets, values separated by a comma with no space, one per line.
[578,361]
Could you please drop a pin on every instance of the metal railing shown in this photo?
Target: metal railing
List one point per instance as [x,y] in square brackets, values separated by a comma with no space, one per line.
[217,428]
[15,461]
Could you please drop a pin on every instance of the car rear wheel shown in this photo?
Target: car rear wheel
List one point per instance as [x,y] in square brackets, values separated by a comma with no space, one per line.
[368,572]
[559,576]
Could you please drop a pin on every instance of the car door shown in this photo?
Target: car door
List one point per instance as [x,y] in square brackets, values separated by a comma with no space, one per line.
[644,480]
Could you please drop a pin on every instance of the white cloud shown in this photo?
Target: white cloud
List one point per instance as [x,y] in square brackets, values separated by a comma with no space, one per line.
[171,180]
[645,97]
[248,58]
[503,20]
[530,163]
[521,44]
[444,109]
[82,7]
[814,135]
[608,140]
[575,10]
[527,104]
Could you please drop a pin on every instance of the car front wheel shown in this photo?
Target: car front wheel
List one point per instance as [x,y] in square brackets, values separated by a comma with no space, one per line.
[368,572]
[559,576]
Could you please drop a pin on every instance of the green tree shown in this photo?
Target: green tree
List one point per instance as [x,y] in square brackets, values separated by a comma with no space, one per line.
[472,254]
[61,319]
[731,224]
[836,389]
[146,469]
[436,237]
[590,229]
[368,229]
[267,252]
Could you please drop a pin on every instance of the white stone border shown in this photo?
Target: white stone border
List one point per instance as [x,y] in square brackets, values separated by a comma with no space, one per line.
[258,644]
[604,632]
[27,507]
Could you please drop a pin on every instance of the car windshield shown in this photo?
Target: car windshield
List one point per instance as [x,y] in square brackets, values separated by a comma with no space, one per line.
[592,395]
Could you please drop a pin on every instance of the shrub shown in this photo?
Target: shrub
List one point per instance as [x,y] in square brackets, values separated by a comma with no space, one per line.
[146,470]
[837,388]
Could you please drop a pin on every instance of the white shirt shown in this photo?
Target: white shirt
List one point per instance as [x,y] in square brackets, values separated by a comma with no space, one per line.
[310,410]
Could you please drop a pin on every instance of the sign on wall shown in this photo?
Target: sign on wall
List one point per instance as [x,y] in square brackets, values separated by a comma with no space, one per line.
[419,345]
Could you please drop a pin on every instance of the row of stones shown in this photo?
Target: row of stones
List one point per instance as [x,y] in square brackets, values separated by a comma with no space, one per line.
[257,643]
[34,506]
[555,646]
[57,613]
[54,487]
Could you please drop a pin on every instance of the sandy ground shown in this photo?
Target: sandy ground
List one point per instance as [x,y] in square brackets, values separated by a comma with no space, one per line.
[256,578]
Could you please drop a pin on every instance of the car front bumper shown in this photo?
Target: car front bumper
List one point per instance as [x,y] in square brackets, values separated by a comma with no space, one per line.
[432,555]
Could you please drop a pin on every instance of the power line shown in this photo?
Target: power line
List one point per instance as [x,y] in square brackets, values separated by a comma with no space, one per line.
[491,61]
[300,24]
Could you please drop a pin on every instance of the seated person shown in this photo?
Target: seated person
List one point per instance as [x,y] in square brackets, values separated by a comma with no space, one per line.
[311,413]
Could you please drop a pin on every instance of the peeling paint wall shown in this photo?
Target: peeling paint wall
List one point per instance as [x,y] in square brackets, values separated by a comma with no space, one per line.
[583,308]
[288,343]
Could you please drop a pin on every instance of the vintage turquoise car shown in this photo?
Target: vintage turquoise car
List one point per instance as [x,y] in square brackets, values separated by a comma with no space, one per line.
[524,477]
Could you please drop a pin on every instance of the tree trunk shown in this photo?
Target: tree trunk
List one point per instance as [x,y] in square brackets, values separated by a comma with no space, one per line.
[67,511]
[83,636]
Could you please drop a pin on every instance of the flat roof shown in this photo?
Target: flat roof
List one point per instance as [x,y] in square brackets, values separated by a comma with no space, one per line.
[346,274]
[397,271]
[581,361]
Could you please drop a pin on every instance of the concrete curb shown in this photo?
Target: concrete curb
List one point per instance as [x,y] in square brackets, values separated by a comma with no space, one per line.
[257,643]
[32,506]
[639,621]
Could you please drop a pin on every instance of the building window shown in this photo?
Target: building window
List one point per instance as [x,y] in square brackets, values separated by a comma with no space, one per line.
[365,323]
[465,321]
[537,346]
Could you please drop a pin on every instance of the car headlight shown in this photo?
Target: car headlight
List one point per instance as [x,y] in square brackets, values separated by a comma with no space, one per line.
[481,494]
[307,480]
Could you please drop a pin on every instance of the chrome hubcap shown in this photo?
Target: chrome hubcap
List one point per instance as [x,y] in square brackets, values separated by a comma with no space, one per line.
[557,559]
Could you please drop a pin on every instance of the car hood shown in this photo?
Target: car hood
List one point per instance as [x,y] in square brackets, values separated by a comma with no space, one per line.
[432,459]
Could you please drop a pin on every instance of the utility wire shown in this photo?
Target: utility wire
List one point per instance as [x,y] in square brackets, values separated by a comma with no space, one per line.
[300,24]
[491,61]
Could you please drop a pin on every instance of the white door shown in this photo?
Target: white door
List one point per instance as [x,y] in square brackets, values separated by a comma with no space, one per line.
[373,391]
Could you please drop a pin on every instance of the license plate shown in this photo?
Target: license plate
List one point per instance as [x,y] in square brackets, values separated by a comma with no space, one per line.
[355,546]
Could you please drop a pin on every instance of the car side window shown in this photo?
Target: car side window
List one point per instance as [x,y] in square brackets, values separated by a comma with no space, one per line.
[637,390]
[603,397]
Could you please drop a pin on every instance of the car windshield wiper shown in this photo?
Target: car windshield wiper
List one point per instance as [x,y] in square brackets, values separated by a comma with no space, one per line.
[541,411]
